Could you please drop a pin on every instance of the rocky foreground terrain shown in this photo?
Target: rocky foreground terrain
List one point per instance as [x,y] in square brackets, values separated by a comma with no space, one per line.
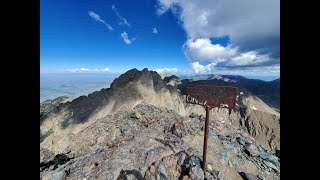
[141,128]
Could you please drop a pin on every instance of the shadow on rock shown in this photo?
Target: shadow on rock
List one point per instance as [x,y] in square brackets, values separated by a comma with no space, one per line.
[124,175]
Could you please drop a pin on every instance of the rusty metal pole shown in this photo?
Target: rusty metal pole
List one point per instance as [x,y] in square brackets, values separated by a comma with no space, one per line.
[204,155]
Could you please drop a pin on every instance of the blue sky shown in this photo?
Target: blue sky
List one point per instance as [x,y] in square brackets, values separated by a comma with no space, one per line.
[177,36]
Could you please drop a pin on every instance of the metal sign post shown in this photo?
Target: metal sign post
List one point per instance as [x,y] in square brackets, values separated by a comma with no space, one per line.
[209,97]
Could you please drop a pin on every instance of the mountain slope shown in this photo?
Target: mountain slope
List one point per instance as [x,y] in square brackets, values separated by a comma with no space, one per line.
[127,120]
[128,90]
[156,143]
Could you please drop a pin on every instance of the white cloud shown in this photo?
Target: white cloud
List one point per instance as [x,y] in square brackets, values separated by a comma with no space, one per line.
[84,69]
[253,28]
[106,70]
[167,70]
[198,68]
[203,50]
[215,18]
[274,69]
[123,20]
[126,39]
[154,30]
[244,71]
[250,58]
[79,70]
[97,18]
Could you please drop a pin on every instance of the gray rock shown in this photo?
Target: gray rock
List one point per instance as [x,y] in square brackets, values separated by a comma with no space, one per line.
[252,150]
[222,137]
[212,134]
[220,176]
[196,173]
[269,164]
[209,176]
[263,154]
[194,115]
[162,176]
[194,161]
[270,158]
[162,170]
[60,175]
[228,146]
[261,177]
[225,156]
[248,176]
[194,126]
[131,177]
[274,160]
[193,152]
[181,159]
[135,115]
[98,150]
[214,173]
[240,141]
[46,155]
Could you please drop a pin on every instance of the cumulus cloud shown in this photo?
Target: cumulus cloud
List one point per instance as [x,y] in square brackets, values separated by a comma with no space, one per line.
[253,28]
[154,30]
[167,70]
[123,20]
[203,50]
[198,68]
[216,18]
[126,39]
[97,18]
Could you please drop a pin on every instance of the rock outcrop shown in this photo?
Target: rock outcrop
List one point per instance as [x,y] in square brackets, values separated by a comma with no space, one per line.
[160,144]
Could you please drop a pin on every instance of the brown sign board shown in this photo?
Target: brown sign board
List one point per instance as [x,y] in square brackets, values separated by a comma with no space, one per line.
[212,96]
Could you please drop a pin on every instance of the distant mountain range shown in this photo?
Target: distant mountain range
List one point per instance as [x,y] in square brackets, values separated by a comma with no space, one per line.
[269,91]
[207,76]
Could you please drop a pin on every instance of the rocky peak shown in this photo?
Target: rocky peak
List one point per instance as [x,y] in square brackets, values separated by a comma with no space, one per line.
[145,77]
[126,90]
[169,78]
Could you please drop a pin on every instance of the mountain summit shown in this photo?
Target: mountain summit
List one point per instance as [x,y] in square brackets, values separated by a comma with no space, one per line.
[127,91]
[142,126]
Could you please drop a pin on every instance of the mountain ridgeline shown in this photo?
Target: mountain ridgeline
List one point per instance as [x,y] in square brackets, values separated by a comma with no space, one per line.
[142,125]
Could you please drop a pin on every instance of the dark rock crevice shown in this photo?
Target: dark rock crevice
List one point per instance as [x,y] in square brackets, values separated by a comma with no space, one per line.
[58,160]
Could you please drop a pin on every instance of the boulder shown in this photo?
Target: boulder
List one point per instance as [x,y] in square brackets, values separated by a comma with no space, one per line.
[252,150]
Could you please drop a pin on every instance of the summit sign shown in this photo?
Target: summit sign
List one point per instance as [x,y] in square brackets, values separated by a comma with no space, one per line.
[212,96]
[209,97]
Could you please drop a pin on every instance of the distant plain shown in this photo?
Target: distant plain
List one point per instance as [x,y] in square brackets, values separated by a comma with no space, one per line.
[72,85]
